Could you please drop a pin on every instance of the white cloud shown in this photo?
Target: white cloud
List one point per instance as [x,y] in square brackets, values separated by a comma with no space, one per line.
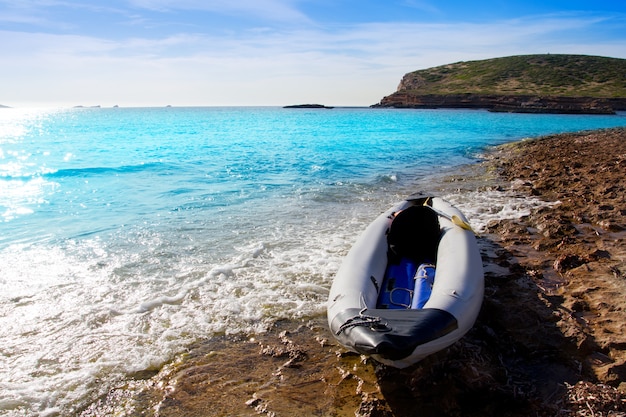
[356,65]
[276,10]
[424,6]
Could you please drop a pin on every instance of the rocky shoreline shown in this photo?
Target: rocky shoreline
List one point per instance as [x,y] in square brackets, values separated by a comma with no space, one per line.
[504,103]
[550,339]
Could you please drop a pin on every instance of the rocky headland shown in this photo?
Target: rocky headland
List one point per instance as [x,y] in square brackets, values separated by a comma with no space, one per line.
[571,84]
[505,103]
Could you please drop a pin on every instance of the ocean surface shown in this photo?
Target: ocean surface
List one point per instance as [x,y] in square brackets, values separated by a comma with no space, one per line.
[128,234]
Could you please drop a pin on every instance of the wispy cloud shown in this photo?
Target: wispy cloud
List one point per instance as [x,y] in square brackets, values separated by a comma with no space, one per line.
[352,64]
[54,15]
[274,10]
[425,6]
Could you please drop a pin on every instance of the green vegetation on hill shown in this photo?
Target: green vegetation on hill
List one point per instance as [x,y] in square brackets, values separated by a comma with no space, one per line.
[546,75]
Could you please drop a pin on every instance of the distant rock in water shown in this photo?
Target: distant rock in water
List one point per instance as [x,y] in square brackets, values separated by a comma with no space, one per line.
[4,107]
[307,106]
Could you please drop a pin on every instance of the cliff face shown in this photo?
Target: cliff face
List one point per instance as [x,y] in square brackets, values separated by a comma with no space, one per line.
[529,84]
[505,103]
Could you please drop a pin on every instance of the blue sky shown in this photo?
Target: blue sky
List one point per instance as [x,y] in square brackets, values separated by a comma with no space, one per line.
[272,52]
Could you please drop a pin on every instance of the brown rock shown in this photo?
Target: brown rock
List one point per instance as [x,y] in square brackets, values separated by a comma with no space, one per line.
[502,103]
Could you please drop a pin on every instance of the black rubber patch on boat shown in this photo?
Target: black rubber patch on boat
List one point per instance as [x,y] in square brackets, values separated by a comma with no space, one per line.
[407,329]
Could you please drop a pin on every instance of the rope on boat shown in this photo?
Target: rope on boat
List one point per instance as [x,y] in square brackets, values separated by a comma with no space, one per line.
[373,322]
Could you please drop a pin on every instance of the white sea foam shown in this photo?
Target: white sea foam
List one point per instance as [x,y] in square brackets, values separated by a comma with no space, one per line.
[484,206]
[84,312]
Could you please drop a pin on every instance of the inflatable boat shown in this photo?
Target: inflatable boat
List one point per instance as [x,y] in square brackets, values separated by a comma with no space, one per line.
[411,285]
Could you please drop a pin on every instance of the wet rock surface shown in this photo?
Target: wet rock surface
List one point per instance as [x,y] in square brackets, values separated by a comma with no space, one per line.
[550,339]
[517,103]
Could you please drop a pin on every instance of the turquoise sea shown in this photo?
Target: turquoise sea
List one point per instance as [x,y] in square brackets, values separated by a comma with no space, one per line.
[128,234]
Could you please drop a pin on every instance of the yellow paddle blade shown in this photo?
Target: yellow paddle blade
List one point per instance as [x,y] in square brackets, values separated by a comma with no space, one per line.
[454,218]
[461,223]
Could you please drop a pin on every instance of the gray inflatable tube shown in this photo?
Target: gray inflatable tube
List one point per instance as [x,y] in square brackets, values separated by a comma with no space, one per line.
[402,337]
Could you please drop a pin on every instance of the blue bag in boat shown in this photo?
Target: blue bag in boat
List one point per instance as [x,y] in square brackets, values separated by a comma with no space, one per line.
[398,284]
[424,280]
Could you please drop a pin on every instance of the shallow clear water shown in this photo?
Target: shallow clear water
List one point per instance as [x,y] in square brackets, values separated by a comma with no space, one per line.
[128,234]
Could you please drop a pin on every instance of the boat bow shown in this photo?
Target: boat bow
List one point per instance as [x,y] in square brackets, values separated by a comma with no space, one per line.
[392,334]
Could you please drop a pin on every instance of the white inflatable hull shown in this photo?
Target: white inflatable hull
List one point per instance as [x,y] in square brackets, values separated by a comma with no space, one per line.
[401,338]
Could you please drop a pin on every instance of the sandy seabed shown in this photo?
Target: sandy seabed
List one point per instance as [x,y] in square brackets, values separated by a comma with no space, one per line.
[550,339]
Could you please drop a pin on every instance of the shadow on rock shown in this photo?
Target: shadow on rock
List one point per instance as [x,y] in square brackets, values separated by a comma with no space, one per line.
[514,362]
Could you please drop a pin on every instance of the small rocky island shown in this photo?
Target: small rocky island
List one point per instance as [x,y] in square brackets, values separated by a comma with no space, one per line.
[570,84]
[307,106]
